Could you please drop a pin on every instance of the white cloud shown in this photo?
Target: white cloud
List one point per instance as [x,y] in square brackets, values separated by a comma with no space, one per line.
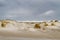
[47,15]
[48,12]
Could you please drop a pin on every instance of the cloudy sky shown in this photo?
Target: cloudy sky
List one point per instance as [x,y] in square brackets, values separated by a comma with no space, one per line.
[30,9]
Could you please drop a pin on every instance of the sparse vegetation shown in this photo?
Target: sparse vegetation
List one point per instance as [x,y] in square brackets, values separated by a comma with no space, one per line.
[52,24]
[54,20]
[3,23]
[46,24]
[37,26]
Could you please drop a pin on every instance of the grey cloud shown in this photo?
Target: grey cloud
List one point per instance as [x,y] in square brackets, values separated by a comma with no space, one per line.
[29,9]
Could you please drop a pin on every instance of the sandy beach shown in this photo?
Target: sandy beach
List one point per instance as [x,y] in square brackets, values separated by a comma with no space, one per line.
[29,36]
[29,30]
[52,35]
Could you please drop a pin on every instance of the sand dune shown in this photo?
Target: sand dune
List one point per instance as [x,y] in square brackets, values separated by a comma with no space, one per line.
[9,28]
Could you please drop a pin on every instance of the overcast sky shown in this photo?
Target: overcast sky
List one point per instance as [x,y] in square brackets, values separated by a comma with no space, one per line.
[30,9]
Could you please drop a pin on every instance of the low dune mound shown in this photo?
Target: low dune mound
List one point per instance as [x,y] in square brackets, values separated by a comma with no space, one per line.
[30,29]
[8,25]
[28,26]
[4,23]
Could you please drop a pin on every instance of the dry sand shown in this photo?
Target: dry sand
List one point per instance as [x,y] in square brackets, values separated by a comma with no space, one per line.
[52,35]
[11,33]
